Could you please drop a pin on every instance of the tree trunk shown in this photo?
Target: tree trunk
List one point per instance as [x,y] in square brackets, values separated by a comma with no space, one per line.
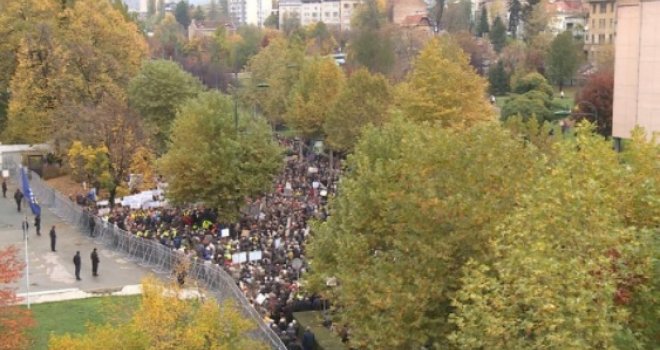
[113,194]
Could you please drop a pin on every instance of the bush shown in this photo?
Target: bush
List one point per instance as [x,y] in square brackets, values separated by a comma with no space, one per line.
[533,103]
[533,82]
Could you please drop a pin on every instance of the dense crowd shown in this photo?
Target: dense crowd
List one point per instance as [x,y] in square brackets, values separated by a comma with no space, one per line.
[275,224]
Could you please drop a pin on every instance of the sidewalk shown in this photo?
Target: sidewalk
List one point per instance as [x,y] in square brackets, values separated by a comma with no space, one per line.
[54,271]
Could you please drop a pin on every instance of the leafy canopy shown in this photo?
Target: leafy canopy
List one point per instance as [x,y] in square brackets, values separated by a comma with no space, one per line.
[211,162]
[444,88]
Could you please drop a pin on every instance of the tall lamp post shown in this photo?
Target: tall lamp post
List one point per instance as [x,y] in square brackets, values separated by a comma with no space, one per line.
[25,227]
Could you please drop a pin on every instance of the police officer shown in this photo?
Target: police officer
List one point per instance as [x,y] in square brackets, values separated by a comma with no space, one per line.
[95,263]
[77,264]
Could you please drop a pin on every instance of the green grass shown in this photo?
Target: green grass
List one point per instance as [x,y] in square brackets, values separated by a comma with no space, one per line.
[566,103]
[72,316]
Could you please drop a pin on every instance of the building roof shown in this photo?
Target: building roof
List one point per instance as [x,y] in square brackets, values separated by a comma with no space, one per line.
[416,20]
[566,6]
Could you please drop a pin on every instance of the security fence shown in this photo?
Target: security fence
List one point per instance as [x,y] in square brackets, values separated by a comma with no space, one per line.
[145,252]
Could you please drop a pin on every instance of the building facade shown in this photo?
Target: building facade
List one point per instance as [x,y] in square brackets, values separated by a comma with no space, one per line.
[600,31]
[567,15]
[334,13]
[249,12]
[637,67]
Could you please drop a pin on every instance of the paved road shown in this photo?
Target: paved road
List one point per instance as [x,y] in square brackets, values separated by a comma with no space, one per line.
[54,270]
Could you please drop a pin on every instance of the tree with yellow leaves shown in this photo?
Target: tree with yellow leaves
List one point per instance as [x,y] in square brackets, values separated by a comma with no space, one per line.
[165,320]
[444,88]
[314,95]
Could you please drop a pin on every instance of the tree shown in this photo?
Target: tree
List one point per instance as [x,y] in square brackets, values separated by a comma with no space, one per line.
[537,17]
[161,9]
[272,21]
[458,16]
[290,23]
[419,201]
[116,132]
[568,228]
[563,58]
[69,64]
[528,105]
[483,26]
[498,34]
[438,11]
[157,92]
[370,45]
[165,320]
[599,92]
[199,14]
[151,8]
[514,16]
[278,65]
[181,13]
[242,46]
[533,82]
[14,319]
[479,50]
[364,101]
[320,41]
[498,79]
[444,88]
[211,161]
[168,39]
[214,13]
[313,96]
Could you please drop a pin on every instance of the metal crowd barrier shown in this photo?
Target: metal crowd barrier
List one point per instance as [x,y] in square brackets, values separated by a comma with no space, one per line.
[145,252]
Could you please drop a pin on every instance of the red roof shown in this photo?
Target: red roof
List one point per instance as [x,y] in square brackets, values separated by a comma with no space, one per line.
[416,20]
[566,6]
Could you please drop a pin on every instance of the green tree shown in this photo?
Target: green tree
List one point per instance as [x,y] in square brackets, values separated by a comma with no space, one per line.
[370,45]
[498,34]
[444,88]
[458,17]
[569,227]
[527,105]
[313,96]
[242,47]
[199,14]
[272,21]
[212,162]
[514,16]
[181,13]
[498,79]
[157,92]
[165,321]
[419,201]
[169,38]
[533,82]
[278,65]
[365,100]
[483,26]
[563,58]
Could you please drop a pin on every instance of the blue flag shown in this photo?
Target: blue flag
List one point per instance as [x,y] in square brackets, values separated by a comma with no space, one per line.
[29,195]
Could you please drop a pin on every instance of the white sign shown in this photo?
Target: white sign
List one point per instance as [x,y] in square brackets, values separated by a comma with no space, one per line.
[312,170]
[224,232]
[260,299]
[255,256]
[5,173]
[239,258]
[315,184]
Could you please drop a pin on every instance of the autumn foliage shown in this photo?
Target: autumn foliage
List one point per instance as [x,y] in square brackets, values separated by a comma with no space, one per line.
[13,319]
[599,91]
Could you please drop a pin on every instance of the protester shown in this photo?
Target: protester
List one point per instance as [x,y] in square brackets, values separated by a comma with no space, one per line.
[275,224]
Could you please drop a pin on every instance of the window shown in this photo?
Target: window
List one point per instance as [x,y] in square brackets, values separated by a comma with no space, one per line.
[601,23]
[592,39]
[612,7]
[601,38]
[593,8]
[335,14]
[611,22]
[346,6]
[603,7]
[593,23]
[611,38]
[355,4]
[586,38]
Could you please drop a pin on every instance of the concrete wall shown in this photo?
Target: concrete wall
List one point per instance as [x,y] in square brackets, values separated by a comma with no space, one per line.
[637,67]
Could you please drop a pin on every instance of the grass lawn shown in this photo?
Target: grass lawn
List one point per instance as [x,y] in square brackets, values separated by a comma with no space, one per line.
[72,316]
[567,102]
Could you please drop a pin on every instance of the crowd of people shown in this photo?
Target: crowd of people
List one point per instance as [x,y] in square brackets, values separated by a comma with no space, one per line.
[275,224]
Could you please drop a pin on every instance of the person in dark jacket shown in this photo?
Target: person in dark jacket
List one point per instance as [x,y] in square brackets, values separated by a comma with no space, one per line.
[95,263]
[37,224]
[4,188]
[308,339]
[53,238]
[77,264]
[18,197]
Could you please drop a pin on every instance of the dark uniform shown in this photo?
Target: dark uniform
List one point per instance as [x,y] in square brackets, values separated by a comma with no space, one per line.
[53,239]
[76,263]
[18,197]
[4,188]
[37,224]
[95,263]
